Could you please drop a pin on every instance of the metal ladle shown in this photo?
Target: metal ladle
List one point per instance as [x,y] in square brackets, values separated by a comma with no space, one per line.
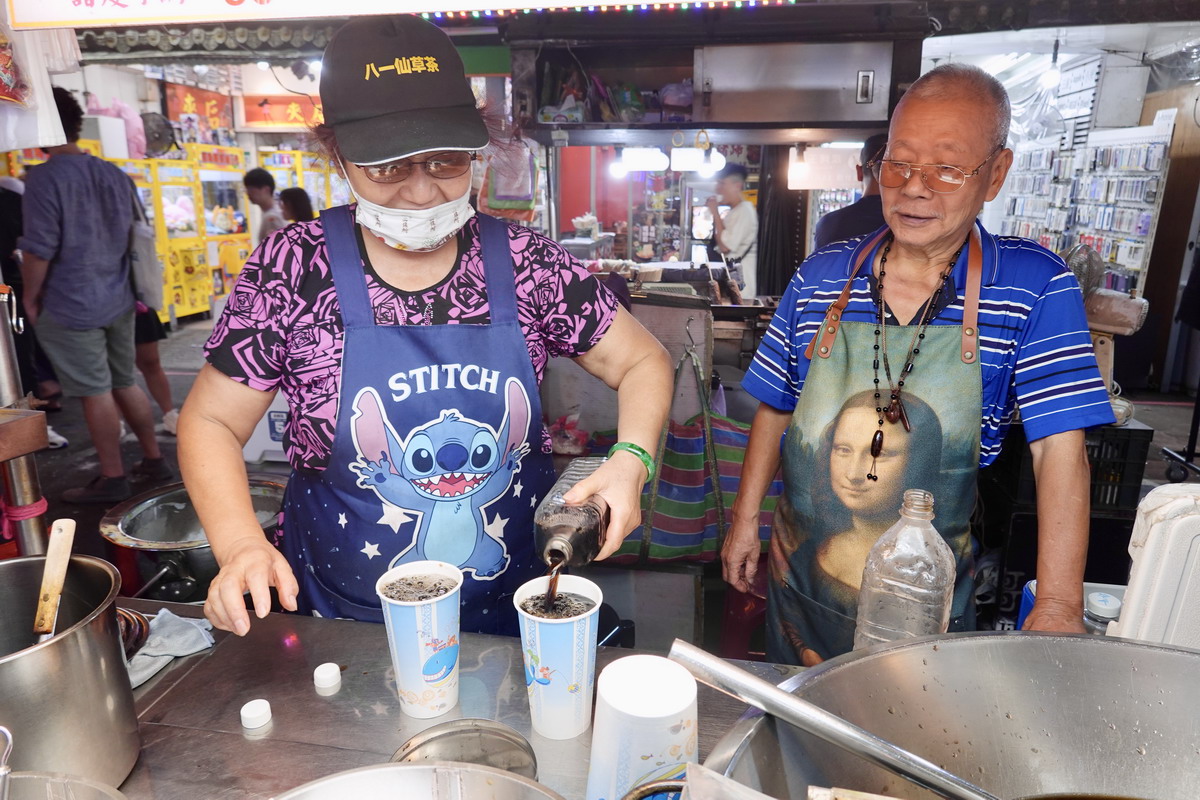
[750,689]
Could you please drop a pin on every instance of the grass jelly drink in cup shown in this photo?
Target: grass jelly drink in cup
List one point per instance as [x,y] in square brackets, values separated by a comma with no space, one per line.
[420,609]
[559,649]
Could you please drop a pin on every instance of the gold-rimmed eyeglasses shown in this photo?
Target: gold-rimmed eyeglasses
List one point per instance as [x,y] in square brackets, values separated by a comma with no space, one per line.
[940,178]
[443,166]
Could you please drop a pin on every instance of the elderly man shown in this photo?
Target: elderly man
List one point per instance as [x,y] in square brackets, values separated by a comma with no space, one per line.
[900,358]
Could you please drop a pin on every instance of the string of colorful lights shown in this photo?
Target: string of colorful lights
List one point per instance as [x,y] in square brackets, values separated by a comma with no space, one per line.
[684,5]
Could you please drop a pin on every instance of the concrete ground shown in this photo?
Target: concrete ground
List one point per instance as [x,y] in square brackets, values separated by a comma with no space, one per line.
[182,357]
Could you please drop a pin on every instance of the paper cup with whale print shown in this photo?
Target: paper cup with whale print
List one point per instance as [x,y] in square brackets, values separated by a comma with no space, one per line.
[423,637]
[646,725]
[560,659]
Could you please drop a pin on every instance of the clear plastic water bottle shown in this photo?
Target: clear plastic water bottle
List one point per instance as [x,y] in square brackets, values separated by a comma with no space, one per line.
[566,535]
[1100,609]
[908,582]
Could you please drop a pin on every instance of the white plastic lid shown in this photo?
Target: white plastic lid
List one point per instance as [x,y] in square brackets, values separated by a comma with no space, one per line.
[256,713]
[1103,605]
[327,675]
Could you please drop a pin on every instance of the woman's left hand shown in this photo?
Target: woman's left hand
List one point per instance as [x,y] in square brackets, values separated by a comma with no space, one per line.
[619,481]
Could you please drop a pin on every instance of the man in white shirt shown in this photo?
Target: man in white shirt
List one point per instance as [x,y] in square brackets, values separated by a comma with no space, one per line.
[260,189]
[737,233]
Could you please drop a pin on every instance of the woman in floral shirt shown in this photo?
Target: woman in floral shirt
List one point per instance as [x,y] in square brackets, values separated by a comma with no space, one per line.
[409,336]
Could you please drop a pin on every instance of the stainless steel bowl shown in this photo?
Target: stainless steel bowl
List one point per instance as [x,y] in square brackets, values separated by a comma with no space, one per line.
[163,524]
[1019,715]
[473,741]
[443,780]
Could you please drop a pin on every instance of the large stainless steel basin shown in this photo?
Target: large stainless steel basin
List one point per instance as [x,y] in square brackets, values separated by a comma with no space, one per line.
[1017,714]
[436,780]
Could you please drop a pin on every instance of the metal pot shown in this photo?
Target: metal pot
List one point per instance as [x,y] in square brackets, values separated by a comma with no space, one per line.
[1019,715]
[443,780]
[163,525]
[66,700]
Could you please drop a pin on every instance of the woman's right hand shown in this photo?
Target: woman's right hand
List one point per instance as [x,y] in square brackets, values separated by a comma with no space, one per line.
[250,565]
[739,553]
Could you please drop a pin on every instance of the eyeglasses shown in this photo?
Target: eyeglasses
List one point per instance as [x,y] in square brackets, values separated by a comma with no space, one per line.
[940,178]
[443,166]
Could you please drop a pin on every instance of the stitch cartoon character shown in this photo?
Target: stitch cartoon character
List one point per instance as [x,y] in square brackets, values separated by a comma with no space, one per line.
[448,471]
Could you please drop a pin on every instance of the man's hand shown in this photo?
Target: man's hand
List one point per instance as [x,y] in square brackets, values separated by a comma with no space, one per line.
[1053,616]
[711,204]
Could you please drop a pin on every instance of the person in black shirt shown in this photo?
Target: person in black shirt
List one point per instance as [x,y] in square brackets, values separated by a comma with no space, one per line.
[862,217]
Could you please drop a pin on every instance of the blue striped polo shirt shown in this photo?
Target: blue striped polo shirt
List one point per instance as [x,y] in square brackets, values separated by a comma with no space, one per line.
[1035,349]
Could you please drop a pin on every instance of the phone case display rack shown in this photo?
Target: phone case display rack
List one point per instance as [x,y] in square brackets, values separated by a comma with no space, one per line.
[1106,194]
[823,202]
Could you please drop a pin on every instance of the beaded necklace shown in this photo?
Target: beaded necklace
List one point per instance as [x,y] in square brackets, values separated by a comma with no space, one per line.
[894,411]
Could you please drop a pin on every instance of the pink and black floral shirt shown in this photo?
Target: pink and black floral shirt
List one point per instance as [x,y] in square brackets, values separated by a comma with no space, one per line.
[282,326]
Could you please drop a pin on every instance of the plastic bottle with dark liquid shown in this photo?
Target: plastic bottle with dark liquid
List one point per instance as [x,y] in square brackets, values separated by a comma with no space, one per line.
[568,535]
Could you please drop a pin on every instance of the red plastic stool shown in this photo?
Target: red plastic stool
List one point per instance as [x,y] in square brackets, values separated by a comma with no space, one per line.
[744,615]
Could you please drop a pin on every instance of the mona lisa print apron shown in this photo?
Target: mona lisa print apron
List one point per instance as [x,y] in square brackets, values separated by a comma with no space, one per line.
[437,452]
[831,513]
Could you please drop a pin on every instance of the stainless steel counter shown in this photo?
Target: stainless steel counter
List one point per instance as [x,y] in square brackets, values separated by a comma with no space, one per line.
[194,747]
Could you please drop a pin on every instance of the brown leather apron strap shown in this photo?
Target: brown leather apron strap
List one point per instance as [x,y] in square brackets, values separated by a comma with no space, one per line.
[823,341]
[970,329]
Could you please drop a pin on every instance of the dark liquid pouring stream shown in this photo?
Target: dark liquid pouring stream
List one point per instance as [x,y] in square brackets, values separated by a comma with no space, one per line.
[556,563]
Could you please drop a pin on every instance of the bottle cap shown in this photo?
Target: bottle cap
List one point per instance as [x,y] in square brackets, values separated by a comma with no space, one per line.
[1103,605]
[256,713]
[327,675]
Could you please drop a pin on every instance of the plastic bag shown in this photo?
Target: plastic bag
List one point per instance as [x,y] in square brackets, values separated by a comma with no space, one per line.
[135,129]
[13,86]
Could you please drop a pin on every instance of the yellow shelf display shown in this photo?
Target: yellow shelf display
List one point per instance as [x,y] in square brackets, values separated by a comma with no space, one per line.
[179,222]
[225,212]
[17,161]
[284,166]
[314,178]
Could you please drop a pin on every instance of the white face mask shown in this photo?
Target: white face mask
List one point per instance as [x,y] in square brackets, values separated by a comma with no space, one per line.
[415,230]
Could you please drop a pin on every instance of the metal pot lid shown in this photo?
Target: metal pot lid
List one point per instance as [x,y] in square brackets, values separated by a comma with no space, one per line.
[473,741]
[163,519]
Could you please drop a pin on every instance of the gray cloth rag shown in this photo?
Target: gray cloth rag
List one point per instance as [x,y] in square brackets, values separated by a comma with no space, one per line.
[170,636]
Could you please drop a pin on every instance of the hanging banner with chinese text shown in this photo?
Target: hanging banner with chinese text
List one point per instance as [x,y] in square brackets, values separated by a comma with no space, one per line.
[99,13]
[199,115]
[278,112]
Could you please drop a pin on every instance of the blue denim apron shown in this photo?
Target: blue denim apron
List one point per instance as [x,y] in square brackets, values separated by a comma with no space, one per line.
[437,452]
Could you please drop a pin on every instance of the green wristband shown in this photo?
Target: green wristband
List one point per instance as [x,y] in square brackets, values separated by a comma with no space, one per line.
[643,456]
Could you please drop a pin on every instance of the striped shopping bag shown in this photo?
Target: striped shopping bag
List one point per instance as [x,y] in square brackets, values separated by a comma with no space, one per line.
[686,523]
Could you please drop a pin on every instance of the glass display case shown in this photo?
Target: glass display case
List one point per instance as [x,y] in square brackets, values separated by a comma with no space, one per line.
[226,212]
[180,224]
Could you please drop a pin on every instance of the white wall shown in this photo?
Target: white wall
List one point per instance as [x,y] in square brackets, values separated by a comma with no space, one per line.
[127,84]
[276,80]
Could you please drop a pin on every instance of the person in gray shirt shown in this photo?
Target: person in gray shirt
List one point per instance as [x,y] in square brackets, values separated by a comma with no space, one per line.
[78,211]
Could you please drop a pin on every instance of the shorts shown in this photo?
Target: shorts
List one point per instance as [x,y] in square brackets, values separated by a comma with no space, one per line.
[92,361]
[147,328]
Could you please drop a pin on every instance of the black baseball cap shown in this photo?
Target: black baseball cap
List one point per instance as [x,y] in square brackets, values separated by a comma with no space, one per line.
[392,86]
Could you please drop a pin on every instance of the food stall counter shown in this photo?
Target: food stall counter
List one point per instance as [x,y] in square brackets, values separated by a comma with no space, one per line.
[193,743]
